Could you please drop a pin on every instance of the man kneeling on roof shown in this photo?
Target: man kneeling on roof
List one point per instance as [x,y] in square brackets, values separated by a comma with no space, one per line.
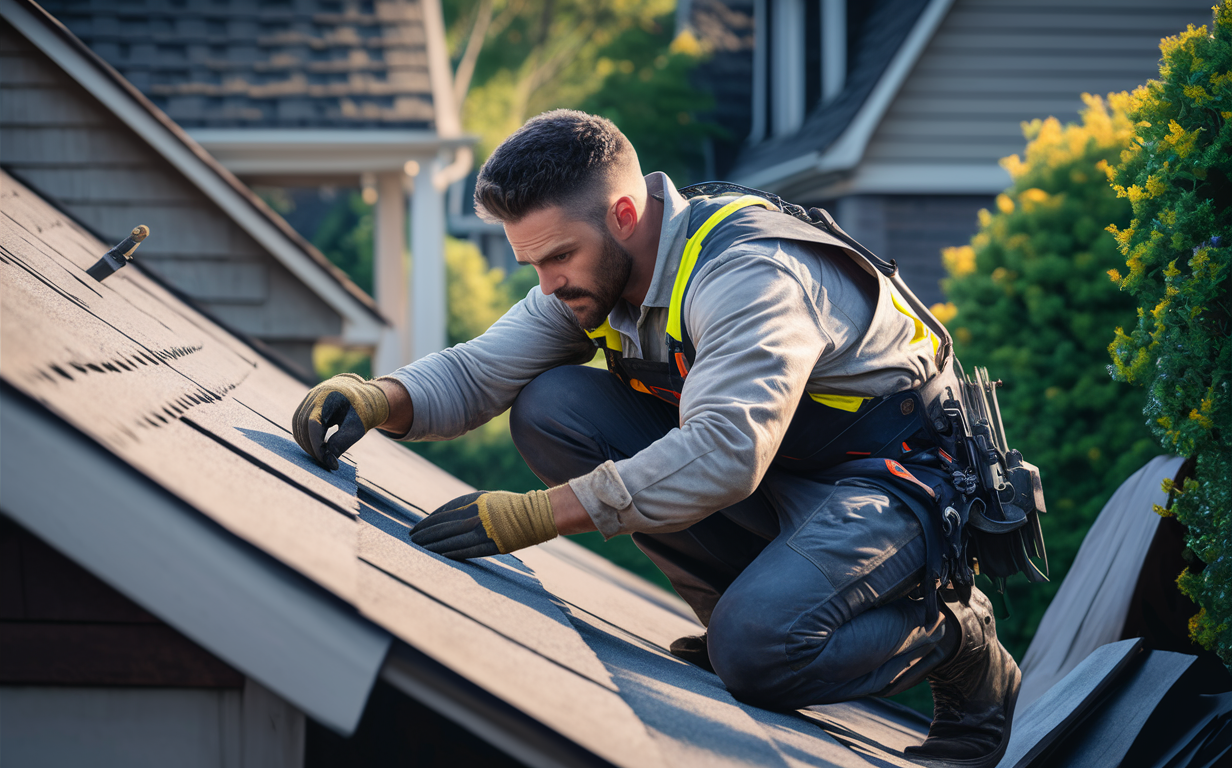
[744,342]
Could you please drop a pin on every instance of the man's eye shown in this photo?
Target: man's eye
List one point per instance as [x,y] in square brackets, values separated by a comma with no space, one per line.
[560,256]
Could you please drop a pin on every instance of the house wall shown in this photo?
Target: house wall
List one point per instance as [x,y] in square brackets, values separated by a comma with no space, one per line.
[912,230]
[60,141]
[88,677]
[994,63]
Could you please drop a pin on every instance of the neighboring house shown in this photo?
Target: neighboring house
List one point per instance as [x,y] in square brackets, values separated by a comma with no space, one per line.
[73,129]
[309,93]
[181,585]
[894,114]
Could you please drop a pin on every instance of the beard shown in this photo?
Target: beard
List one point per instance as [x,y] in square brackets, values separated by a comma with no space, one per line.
[611,277]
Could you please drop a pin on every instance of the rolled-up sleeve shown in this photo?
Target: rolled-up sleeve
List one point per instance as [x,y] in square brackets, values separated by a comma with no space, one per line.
[462,387]
[758,336]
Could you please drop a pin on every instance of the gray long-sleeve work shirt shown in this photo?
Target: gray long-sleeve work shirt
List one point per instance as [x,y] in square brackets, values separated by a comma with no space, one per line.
[770,320]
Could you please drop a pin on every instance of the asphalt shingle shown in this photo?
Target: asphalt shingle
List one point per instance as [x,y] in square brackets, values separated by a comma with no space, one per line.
[272,64]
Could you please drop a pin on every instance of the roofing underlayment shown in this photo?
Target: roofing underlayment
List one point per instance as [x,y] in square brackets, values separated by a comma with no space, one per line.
[151,446]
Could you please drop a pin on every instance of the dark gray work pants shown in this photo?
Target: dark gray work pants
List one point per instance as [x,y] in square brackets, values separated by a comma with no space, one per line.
[803,586]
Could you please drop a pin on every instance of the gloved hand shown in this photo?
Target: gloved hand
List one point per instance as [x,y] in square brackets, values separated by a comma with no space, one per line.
[486,523]
[346,401]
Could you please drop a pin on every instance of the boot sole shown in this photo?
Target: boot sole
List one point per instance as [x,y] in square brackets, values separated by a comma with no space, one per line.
[984,761]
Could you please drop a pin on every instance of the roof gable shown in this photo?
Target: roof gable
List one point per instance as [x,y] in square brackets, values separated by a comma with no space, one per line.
[944,91]
[890,35]
[362,321]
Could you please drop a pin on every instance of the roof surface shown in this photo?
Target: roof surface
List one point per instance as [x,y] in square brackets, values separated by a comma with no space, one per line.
[107,384]
[268,64]
[558,633]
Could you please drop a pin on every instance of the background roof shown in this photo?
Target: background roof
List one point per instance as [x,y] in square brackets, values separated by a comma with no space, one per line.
[272,64]
[876,30]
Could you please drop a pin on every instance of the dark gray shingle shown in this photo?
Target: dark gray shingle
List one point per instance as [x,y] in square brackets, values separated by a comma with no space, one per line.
[266,64]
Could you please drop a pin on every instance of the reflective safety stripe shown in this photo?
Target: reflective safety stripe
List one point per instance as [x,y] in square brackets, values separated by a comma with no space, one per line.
[609,337]
[921,330]
[693,249]
[849,403]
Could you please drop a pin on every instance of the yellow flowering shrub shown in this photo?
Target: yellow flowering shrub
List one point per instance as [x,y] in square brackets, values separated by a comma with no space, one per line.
[1177,175]
[1030,298]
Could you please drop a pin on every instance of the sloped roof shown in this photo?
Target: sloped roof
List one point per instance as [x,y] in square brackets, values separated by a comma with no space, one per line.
[151,447]
[273,64]
[878,34]
[362,319]
[954,81]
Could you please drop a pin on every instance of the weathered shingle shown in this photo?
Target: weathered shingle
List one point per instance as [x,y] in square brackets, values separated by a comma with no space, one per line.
[271,63]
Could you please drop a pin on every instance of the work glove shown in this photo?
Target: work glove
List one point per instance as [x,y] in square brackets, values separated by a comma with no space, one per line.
[486,523]
[346,401]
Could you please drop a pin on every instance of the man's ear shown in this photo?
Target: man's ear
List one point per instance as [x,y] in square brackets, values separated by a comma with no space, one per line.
[622,218]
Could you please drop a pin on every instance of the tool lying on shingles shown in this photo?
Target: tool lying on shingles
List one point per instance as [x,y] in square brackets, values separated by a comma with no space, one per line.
[120,255]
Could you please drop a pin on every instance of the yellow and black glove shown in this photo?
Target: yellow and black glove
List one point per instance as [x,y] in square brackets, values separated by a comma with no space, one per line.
[486,523]
[346,401]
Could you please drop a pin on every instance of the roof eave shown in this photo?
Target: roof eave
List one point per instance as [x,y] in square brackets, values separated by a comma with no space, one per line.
[490,718]
[322,152]
[232,599]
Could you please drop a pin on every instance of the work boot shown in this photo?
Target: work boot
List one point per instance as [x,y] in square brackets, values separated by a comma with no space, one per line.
[974,693]
[693,649]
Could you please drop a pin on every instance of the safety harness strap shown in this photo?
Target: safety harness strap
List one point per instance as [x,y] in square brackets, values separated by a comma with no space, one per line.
[693,249]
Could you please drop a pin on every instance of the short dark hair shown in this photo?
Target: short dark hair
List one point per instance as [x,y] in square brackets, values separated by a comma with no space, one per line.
[563,157]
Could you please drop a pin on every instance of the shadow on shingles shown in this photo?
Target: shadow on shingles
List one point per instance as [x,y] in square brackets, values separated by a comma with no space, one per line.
[503,574]
[867,731]
[344,479]
[656,687]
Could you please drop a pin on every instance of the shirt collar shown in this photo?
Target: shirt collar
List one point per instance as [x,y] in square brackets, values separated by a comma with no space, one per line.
[672,237]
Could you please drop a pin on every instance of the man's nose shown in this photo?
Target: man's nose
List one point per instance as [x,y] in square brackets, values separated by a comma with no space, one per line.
[550,283]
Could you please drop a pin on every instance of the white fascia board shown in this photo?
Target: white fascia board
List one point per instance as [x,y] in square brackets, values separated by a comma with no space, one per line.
[846,152]
[923,178]
[849,149]
[313,151]
[780,174]
[258,615]
[357,318]
[440,73]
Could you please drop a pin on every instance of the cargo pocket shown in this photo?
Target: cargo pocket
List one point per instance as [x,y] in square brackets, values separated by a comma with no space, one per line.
[852,531]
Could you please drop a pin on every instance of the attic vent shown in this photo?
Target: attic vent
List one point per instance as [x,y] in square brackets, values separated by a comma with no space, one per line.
[120,255]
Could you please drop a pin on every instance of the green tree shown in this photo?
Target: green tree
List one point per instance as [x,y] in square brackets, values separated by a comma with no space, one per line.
[1030,300]
[1177,175]
[646,91]
[620,58]
[345,237]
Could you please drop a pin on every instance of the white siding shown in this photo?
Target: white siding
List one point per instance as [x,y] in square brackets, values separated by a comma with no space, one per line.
[996,63]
